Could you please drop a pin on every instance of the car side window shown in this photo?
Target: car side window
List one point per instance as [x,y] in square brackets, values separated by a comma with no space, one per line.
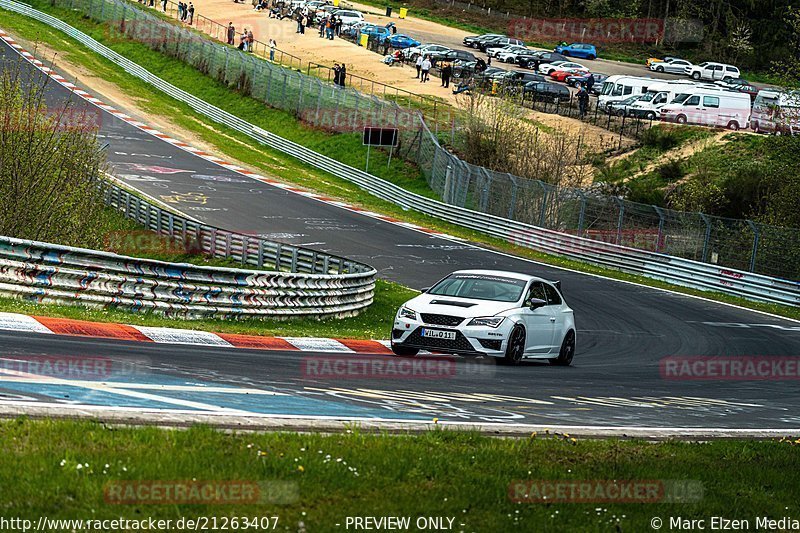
[536,291]
[553,297]
[710,101]
[628,90]
[694,100]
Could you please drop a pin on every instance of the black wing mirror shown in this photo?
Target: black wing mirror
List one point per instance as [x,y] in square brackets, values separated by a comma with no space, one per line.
[425,289]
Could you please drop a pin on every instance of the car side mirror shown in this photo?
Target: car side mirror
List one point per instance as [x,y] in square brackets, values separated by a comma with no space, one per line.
[425,289]
[535,303]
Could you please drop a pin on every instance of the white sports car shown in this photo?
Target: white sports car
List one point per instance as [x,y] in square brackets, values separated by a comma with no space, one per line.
[485,312]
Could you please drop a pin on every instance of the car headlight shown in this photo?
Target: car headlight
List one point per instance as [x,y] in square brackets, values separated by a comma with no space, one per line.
[487,321]
[405,312]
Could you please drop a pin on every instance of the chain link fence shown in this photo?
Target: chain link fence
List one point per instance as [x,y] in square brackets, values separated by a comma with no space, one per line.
[739,244]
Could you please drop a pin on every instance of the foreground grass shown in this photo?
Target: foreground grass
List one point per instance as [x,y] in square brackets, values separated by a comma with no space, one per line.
[441,473]
[373,323]
[227,143]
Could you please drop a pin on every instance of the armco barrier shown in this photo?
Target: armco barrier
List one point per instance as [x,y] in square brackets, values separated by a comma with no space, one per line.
[304,282]
[683,272]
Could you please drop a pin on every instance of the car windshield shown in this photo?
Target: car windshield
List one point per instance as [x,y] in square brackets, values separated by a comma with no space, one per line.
[480,287]
[649,95]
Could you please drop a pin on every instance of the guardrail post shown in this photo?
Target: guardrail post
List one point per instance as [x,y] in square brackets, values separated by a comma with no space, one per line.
[707,239]
[448,177]
[171,224]
[756,239]
[660,241]
[213,250]
[278,256]
[227,245]
[260,262]
[582,214]
[294,259]
[620,219]
[513,203]
[245,246]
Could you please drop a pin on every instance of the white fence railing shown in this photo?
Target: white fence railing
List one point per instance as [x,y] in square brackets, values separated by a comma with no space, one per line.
[683,272]
[304,282]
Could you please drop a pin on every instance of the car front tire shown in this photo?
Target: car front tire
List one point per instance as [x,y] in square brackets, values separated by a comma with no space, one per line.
[659,69]
[404,351]
[695,75]
[515,347]
[567,351]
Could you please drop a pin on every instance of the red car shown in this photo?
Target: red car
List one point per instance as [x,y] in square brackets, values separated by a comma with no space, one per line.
[562,75]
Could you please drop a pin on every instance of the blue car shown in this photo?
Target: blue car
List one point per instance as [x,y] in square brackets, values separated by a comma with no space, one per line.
[401,41]
[378,32]
[581,50]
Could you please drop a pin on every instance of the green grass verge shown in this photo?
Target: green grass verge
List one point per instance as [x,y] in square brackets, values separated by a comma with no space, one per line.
[375,322]
[227,143]
[444,473]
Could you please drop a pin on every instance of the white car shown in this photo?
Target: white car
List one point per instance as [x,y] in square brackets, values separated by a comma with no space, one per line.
[505,315]
[712,71]
[348,17]
[510,53]
[497,50]
[549,68]
[414,51]
[671,66]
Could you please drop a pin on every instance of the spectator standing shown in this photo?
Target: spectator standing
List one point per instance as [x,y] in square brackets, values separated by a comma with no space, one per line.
[343,75]
[418,64]
[180,10]
[338,26]
[590,82]
[164,6]
[480,65]
[536,64]
[331,25]
[447,71]
[583,100]
[337,72]
[243,41]
[301,19]
[250,40]
[426,68]
[231,33]
[272,46]
[191,13]
[323,23]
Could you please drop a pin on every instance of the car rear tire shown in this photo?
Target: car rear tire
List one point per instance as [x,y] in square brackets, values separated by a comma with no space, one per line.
[681,119]
[733,125]
[591,58]
[565,53]
[695,75]
[404,351]
[567,351]
[515,347]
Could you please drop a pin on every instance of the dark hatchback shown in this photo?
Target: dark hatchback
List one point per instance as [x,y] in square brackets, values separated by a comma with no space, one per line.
[546,91]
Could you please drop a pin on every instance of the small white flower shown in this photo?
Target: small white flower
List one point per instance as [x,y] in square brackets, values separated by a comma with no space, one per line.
[78,466]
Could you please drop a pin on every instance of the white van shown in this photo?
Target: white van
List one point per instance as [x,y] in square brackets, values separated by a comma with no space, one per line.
[706,107]
[776,112]
[621,87]
[657,96]
[712,71]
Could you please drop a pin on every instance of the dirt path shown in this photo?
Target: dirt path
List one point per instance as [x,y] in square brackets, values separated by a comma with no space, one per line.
[683,152]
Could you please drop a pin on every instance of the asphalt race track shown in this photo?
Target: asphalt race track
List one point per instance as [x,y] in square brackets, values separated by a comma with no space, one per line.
[624,333]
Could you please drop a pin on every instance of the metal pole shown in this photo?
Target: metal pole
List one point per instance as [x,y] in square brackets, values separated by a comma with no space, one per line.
[620,219]
[756,239]
[707,239]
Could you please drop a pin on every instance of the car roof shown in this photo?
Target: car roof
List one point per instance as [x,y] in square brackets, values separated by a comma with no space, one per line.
[501,273]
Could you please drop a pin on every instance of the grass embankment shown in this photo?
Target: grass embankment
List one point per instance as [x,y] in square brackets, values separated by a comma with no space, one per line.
[459,475]
[227,143]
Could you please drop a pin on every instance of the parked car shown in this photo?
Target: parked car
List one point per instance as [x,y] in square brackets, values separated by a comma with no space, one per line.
[653,60]
[473,40]
[498,42]
[453,55]
[712,71]
[622,108]
[738,84]
[580,50]
[414,51]
[353,29]
[549,68]
[723,109]
[547,91]
[562,74]
[581,78]
[676,66]
[348,17]
[660,94]
[373,30]
[520,77]
[525,60]
[401,41]
[507,54]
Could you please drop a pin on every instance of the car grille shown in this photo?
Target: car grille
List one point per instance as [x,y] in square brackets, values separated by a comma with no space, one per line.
[460,343]
[441,320]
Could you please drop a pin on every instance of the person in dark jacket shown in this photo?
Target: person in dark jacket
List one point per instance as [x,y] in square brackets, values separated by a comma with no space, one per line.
[583,100]
[447,72]
[590,82]
[342,75]
[337,72]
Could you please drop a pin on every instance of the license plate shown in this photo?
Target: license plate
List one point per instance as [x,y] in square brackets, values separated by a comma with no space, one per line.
[439,334]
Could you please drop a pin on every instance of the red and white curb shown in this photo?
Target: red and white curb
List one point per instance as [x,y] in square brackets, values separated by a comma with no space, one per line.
[107,330]
[205,155]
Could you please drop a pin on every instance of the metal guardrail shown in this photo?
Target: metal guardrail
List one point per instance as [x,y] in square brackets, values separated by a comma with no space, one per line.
[304,283]
[678,271]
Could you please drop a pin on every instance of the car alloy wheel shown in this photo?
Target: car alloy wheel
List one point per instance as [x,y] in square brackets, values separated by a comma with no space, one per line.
[567,351]
[651,116]
[733,125]
[695,75]
[516,346]
[659,69]
[681,119]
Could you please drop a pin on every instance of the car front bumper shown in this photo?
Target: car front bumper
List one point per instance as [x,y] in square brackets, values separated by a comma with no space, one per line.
[469,340]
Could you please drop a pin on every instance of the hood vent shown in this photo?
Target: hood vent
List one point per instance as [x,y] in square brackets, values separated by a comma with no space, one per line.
[450,302]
